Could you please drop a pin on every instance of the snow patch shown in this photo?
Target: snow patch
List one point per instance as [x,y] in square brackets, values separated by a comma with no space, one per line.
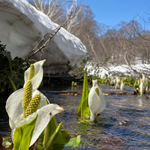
[122,69]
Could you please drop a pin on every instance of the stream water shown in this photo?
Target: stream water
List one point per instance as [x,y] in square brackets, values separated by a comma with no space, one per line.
[124,124]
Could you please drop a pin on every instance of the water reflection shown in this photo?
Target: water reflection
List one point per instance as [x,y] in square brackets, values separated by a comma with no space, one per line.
[140,102]
[4,124]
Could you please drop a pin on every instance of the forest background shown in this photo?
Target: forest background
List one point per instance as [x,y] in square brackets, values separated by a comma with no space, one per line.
[127,43]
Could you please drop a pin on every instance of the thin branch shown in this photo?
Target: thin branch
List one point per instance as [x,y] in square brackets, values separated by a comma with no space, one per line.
[50,37]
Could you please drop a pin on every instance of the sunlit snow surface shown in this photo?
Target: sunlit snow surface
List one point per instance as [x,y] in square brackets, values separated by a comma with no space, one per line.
[122,69]
[22,26]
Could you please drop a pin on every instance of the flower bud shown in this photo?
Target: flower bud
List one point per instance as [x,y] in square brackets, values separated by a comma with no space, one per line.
[27,95]
[31,72]
[33,105]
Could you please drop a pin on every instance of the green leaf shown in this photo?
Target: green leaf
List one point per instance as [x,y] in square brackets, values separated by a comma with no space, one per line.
[23,134]
[53,137]
[12,85]
[62,138]
[72,83]
[137,86]
[148,83]
[83,108]
[66,135]
[74,142]
[39,147]
[50,129]
[6,142]
[94,78]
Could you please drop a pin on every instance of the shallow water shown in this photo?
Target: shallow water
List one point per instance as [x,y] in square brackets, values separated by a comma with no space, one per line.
[4,124]
[124,124]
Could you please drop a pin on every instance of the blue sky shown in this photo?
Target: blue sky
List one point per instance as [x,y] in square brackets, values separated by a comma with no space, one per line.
[112,12]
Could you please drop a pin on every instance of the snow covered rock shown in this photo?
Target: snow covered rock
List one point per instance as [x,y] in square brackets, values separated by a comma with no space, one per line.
[120,70]
[22,26]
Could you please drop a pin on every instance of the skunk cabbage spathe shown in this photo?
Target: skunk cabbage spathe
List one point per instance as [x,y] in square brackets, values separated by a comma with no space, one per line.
[96,100]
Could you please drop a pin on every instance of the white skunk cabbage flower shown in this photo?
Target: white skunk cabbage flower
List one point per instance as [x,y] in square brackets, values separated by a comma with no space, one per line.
[122,85]
[117,83]
[143,84]
[38,77]
[112,81]
[45,114]
[96,100]
[147,88]
[144,79]
[103,76]
[15,102]
[142,87]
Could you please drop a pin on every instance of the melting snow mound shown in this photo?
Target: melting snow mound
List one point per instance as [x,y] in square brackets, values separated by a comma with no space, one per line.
[22,26]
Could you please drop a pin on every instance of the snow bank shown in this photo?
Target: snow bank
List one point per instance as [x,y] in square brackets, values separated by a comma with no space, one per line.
[22,26]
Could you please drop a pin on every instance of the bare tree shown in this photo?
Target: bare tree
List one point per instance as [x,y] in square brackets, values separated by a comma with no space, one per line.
[53,9]
[75,21]
[59,11]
